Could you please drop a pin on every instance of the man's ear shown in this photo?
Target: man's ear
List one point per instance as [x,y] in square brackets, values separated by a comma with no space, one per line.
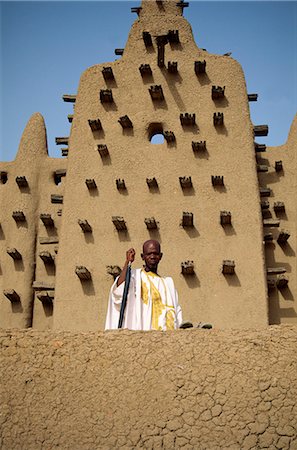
[142,257]
[161,254]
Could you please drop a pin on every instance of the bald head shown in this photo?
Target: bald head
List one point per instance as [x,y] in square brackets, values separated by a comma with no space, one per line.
[150,242]
[151,255]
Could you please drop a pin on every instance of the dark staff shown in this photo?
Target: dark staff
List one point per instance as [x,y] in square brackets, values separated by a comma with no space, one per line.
[125,295]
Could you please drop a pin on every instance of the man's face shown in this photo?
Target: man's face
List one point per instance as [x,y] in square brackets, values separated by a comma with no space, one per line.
[151,256]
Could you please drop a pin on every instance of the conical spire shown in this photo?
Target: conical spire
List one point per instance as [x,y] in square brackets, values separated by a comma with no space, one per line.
[33,144]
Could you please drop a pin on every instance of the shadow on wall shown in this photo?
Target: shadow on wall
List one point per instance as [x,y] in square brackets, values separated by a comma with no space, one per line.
[192,281]
[48,309]
[16,307]
[124,236]
[88,287]
[171,81]
[19,265]
[232,280]
[276,313]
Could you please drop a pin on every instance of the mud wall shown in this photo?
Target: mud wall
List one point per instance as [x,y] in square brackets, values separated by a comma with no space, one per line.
[283,188]
[192,389]
[207,295]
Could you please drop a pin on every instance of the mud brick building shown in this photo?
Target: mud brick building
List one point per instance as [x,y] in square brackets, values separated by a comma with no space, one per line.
[222,205]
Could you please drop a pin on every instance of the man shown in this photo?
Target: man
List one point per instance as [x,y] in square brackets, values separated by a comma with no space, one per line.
[152,302]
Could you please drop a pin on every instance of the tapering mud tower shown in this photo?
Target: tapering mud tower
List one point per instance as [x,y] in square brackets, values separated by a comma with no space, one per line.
[206,192]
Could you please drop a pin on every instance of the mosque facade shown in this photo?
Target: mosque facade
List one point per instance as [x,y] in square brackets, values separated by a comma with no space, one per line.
[222,205]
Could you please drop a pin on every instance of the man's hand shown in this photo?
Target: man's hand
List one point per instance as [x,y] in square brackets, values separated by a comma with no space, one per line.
[130,255]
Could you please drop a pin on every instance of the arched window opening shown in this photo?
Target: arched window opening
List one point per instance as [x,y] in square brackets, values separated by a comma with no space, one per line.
[157,138]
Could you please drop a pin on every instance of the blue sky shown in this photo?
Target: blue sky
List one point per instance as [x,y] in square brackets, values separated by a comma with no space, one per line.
[45,47]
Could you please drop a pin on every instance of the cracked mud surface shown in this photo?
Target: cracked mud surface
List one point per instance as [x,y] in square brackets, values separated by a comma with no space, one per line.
[190,389]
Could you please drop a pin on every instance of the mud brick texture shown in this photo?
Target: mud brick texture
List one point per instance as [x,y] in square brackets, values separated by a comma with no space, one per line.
[189,389]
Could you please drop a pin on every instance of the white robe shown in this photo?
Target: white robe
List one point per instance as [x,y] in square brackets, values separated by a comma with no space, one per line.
[138,313]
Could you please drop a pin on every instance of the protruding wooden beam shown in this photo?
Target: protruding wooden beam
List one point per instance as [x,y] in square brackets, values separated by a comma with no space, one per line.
[275,270]
[217,180]
[228,267]
[21,182]
[260,148]
[119,223]
[85,226]
[119,51]
[283,237]
[95,124]
[18,216]
[83,273]
[279,207]
[125,122]
[161,42]
[169,136]
[14,254]
[64,151]
[217,92]
[225,218]
[281,282]
[136,9]
[265,192]
[152,183]
[187,119]
[103,150]
[56,198]
[145,70]
[91,183]
[187,268]
[43,286]
[46,297]
[186,182]
[173,36]
[120,183]
[182,4]
[48,240]
[70,118]
[218,119]
[12,295]
[3,177]
[58,175]
[200,67]
[264,204]
[47,220]
[270,284]
[199,146]
[106,96]
[62,140]
[271,223]
[107,73]
[151,223]
[187,219]
[69,98]
[278,165]
[147,39]
[252,97]
[115,271]
[172,67]
[268,237]
[262,168]
[156,92]
[47,257]
[260,130]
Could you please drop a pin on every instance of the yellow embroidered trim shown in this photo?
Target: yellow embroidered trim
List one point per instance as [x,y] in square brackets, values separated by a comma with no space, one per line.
[157,304]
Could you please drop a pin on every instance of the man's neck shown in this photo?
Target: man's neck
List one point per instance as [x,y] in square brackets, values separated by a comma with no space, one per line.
[147,269]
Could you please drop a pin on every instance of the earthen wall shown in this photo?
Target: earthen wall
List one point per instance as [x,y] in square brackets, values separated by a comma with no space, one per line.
[218,162]
[192,389]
